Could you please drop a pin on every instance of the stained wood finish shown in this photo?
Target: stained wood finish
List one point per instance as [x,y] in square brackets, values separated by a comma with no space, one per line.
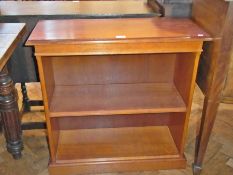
[118,47]
[24,12]
[113,93]
[115,99]
[114,166]
[186,64]
[215,16]
[140,68]
[111,144]
[123,30]
[106,84]
[47,86]
[10,34]
[95,9]
[115,121]
[10,115]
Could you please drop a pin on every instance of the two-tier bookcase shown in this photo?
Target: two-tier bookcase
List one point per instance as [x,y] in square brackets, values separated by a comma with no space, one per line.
[117,92]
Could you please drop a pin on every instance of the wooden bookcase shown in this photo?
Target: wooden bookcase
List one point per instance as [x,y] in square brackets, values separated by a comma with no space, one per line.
[117,92]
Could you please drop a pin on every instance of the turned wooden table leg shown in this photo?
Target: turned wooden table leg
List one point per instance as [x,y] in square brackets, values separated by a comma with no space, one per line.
[26,102]
[10,115]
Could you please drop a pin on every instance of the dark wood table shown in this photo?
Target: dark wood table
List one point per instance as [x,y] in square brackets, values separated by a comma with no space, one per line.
[10,35]
[93,9]
[216,17]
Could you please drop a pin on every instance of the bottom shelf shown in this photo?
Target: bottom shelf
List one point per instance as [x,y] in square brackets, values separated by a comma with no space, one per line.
[115,144]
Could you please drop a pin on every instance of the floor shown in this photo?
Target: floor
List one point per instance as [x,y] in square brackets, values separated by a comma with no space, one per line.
[218,160]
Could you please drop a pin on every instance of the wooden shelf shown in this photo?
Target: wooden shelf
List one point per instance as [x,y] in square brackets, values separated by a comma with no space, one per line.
[117,92]
[86,100]
[109,144]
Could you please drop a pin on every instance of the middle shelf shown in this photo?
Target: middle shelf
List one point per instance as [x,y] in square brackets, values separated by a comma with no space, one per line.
[112,99]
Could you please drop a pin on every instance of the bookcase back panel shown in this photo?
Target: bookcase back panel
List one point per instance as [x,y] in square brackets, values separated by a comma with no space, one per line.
[110,69]
[114,121]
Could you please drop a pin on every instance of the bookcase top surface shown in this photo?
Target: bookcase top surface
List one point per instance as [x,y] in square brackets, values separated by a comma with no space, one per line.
[115,30]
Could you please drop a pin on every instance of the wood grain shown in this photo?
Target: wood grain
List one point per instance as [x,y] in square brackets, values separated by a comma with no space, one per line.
[136,46]
[115,144]
[80,8]
[115,99]
[81,30]
[117,166]
[115,81]
[52,135]
[10,34]
[115,121]
[217,18]
[132,68]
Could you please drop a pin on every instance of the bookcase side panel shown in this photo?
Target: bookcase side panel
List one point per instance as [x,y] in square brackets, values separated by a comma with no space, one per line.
[184,79]
[47,86]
